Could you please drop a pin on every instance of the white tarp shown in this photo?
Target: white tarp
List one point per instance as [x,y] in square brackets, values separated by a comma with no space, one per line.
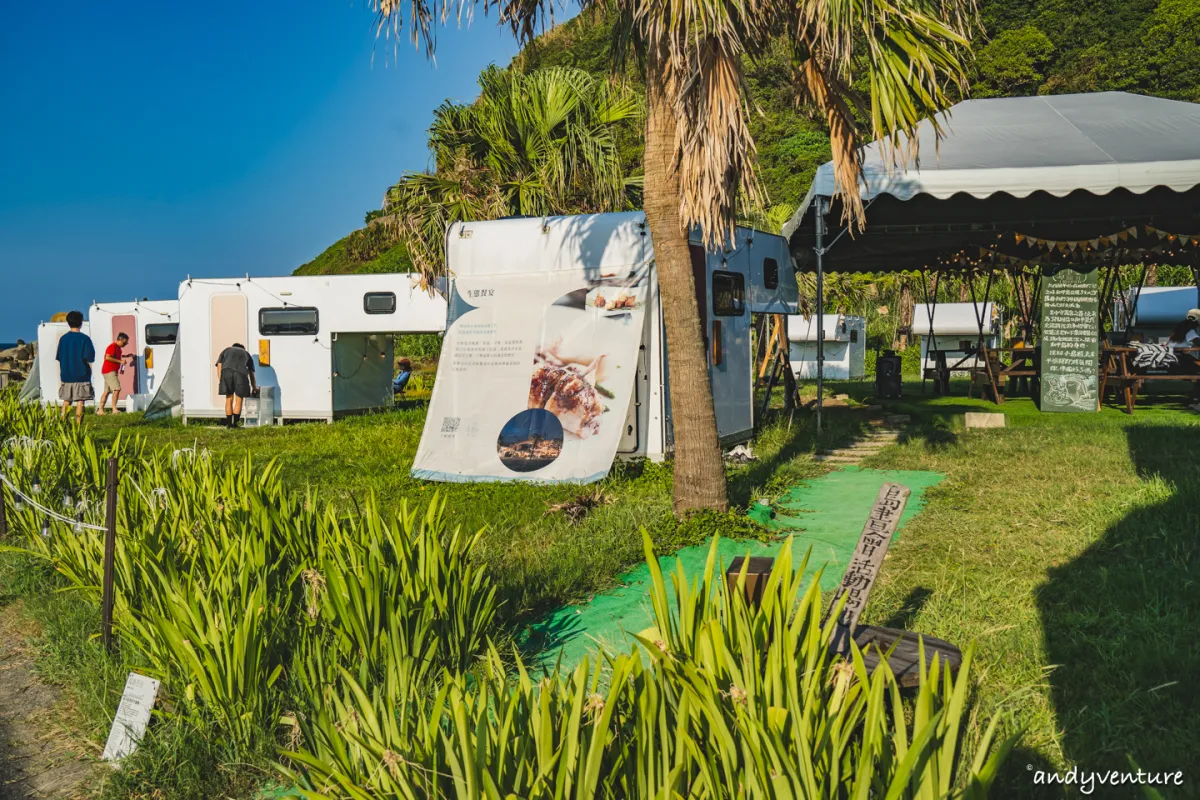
[31,390]
[166,399]
[1056,144]
[953,319]
[535,378]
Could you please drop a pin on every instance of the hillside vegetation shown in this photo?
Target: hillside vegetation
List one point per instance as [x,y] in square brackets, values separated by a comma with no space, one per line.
[1025,48]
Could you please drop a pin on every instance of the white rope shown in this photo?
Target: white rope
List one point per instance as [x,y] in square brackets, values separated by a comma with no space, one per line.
[48,512]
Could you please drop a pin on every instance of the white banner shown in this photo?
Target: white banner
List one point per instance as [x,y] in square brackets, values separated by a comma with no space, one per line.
[535,378]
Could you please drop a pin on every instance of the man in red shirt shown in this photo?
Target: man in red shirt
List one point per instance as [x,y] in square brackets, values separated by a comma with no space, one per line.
[113,360]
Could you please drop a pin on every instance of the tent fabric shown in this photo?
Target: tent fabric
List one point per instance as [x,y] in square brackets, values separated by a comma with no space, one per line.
[31,390]
[1019,146]
[168,396]
[952,319]
[1161,305]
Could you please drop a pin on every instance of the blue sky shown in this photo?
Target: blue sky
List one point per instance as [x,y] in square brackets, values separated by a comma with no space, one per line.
[144,142]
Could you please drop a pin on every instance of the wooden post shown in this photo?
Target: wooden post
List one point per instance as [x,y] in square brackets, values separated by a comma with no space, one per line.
[757,574]
[3,514]
[867,559]
[110,545]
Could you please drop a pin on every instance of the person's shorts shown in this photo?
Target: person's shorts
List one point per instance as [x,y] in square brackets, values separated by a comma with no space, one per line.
[112,382]
[76,392]
[234,383]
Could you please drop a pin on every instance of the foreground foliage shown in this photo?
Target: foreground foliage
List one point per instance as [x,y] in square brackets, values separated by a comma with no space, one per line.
[359,647]
[723,699]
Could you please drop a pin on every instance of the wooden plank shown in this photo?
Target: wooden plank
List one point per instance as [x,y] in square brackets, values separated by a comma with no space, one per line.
[868,559]
[903,652]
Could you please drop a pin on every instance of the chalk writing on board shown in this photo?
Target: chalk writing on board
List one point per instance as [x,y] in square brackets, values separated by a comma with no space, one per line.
[133,714]
[1070,340]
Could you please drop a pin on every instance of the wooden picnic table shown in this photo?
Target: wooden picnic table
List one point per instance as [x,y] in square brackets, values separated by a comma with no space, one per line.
[1116,368]
[942,368]
[1022,366]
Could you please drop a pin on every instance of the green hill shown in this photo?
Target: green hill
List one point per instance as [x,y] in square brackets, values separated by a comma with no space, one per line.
[1026,47]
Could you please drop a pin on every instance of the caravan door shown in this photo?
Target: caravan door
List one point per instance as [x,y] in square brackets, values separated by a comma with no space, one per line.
[725,320]
[128,325]
[227,321]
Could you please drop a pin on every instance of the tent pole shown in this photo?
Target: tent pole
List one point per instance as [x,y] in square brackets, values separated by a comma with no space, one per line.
[1196,275]
[930,341]
[819,229]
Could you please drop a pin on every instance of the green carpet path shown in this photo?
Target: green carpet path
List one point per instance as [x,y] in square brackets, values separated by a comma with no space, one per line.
[826,514]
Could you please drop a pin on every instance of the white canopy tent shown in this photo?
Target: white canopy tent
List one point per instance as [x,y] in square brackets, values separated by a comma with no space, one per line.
[1065,167]
[1055,144]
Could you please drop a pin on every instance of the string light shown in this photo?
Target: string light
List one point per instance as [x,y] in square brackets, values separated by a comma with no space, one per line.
[37,484]
[45,527]
[67,500]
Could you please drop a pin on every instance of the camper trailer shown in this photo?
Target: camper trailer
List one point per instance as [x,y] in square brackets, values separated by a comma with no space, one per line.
[844,345]
[1150,315]
[153,329]
[323,342]
[956,332]
[46,365]
[611,311]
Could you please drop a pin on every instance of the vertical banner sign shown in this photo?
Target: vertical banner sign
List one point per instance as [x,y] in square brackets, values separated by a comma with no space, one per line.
[1070,339]
[536,377]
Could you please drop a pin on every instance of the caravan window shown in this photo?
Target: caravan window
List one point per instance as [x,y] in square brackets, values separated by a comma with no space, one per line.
[729,294]
[289,321]
[770,273]
[379,302]
[162,333]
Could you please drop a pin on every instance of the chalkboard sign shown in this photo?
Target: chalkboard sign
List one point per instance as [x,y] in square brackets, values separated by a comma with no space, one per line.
[1070,340]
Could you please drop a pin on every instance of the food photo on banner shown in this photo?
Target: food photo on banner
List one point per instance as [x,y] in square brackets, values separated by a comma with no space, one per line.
[536,376]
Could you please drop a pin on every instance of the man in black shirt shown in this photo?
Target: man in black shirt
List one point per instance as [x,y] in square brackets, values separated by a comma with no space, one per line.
[235,379]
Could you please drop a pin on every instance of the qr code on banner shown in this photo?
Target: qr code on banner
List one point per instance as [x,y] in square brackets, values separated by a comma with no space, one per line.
[450,424]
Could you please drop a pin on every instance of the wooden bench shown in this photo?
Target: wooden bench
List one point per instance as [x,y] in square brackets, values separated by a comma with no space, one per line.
[1115,370]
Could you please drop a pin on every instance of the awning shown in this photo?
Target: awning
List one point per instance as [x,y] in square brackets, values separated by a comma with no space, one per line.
[1063,166]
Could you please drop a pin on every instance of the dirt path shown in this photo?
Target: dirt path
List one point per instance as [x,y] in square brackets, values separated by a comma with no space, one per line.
[39,756]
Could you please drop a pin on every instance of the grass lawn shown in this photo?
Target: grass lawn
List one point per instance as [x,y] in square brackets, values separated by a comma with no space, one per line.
[1064,546]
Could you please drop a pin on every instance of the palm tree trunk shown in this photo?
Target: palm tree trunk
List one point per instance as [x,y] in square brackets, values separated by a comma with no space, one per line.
[906,315]
[699,473]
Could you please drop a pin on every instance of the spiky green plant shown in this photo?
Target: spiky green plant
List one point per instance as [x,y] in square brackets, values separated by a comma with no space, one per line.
[719,699]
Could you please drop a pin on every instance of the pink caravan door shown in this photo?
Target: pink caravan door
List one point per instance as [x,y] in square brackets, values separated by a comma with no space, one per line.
[227,321]
[127,324]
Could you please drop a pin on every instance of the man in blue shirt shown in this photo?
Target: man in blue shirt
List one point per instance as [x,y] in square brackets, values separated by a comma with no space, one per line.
[75,356]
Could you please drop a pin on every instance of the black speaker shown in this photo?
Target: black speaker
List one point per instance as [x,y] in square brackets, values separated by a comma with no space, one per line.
[887,375]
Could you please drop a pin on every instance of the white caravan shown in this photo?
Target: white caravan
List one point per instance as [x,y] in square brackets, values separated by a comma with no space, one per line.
[153,329]
[845,346]
[1159,309]
[323,341]
[955,330]
[46,365]
[751,274]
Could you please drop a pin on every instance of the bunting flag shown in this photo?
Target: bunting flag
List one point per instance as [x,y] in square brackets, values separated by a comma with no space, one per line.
[1111,240]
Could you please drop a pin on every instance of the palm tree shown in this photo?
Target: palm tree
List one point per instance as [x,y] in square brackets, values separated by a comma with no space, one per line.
[907,55]
[531,144]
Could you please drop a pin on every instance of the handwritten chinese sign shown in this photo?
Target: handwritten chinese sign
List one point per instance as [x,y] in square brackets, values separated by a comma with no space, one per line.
[868,556]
